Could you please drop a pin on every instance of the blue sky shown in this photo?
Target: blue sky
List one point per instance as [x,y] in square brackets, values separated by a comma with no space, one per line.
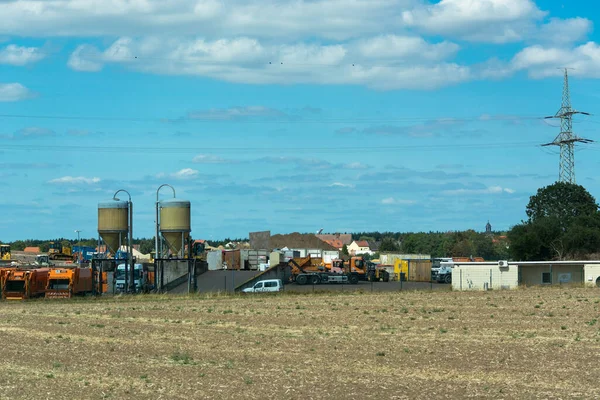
[395,115]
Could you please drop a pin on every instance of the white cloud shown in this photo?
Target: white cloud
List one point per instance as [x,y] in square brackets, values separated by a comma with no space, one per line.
[542,62]
[186,173]
[394,201]
[488,190]
[75,180]
[496,21]
[341,185]
[355,165]
[209,159]
[564,31]
[210,18]
[401,47]
[14,92]
[245,60]
[18,55]
[85,58]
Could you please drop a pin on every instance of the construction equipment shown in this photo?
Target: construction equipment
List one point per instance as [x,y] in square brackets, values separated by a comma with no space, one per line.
[198,248]
[377,273]
[314,271]
[69,282]
[24,284]
[5,252]
[43,260]
[60,251]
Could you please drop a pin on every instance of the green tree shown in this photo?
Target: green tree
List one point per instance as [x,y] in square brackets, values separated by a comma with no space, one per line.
[345,250]
[388,244]
[563,222]
[561,200]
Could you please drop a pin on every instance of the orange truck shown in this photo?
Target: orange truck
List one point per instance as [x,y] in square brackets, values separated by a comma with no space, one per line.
[69,282]
[24,284]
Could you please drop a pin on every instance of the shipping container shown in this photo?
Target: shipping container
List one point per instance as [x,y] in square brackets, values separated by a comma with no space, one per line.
[390,258]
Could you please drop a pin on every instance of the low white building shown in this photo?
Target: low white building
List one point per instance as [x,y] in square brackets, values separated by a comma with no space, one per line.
[484,276]
[509,275]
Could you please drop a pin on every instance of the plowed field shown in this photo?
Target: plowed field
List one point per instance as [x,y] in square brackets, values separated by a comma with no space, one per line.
[529,343]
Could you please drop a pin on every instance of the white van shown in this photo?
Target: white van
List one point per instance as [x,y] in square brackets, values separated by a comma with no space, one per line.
[270,285]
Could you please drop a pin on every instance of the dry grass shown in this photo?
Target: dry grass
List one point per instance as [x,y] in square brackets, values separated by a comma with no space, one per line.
[532,343]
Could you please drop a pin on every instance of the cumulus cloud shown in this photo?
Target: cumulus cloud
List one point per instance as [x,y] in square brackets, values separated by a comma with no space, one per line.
[543,61]
[246,60]
[75,180]
[487,190]
[211,18]
[497,21]
[14,92]
[19,55]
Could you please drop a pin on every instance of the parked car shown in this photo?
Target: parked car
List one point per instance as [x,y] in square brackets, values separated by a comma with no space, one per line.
[269,285]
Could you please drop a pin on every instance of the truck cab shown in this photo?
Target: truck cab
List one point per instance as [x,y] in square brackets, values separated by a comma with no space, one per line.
[141,278]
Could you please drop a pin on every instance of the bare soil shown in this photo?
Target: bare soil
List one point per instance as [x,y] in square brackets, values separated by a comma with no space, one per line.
[529,343]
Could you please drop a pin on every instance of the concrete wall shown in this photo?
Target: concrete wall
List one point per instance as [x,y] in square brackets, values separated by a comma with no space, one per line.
[561,274]
[477,277]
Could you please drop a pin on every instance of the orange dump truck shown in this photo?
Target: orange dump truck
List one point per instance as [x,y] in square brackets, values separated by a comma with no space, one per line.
[69,282]
[24,284]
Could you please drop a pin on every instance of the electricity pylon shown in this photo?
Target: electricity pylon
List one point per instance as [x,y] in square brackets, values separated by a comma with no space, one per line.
[566,139]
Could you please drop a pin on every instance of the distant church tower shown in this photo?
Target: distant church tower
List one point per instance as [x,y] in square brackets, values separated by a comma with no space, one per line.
[488,227]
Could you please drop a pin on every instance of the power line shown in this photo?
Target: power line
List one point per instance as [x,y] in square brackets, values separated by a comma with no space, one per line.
[275,119]
[267,150]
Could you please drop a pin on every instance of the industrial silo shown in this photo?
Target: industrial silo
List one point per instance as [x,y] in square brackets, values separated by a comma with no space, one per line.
[113,223]
[175,225]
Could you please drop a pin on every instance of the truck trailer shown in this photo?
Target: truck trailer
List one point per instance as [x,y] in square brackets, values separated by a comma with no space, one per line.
[69,282]
[24,284]
[313,271]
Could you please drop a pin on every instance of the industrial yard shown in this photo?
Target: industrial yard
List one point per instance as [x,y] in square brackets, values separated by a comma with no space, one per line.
[527,343]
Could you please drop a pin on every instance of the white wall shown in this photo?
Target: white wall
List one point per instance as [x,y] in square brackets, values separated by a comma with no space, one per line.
[214,260]
[591,273]
[474,277]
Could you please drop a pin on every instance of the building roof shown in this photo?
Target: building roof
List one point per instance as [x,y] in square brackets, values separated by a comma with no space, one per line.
[335,243]
[345,238]
[32,250]
[362,243]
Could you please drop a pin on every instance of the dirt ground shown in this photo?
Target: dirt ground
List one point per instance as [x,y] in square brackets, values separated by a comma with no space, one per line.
[528,343]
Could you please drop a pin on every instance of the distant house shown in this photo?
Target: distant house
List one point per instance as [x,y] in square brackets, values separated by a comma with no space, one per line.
[358,247]
[335,243]
[343,238]
[34,250]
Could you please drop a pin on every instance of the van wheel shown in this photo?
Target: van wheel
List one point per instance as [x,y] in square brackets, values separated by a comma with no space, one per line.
[448,278]
[315,280]
[301,279]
